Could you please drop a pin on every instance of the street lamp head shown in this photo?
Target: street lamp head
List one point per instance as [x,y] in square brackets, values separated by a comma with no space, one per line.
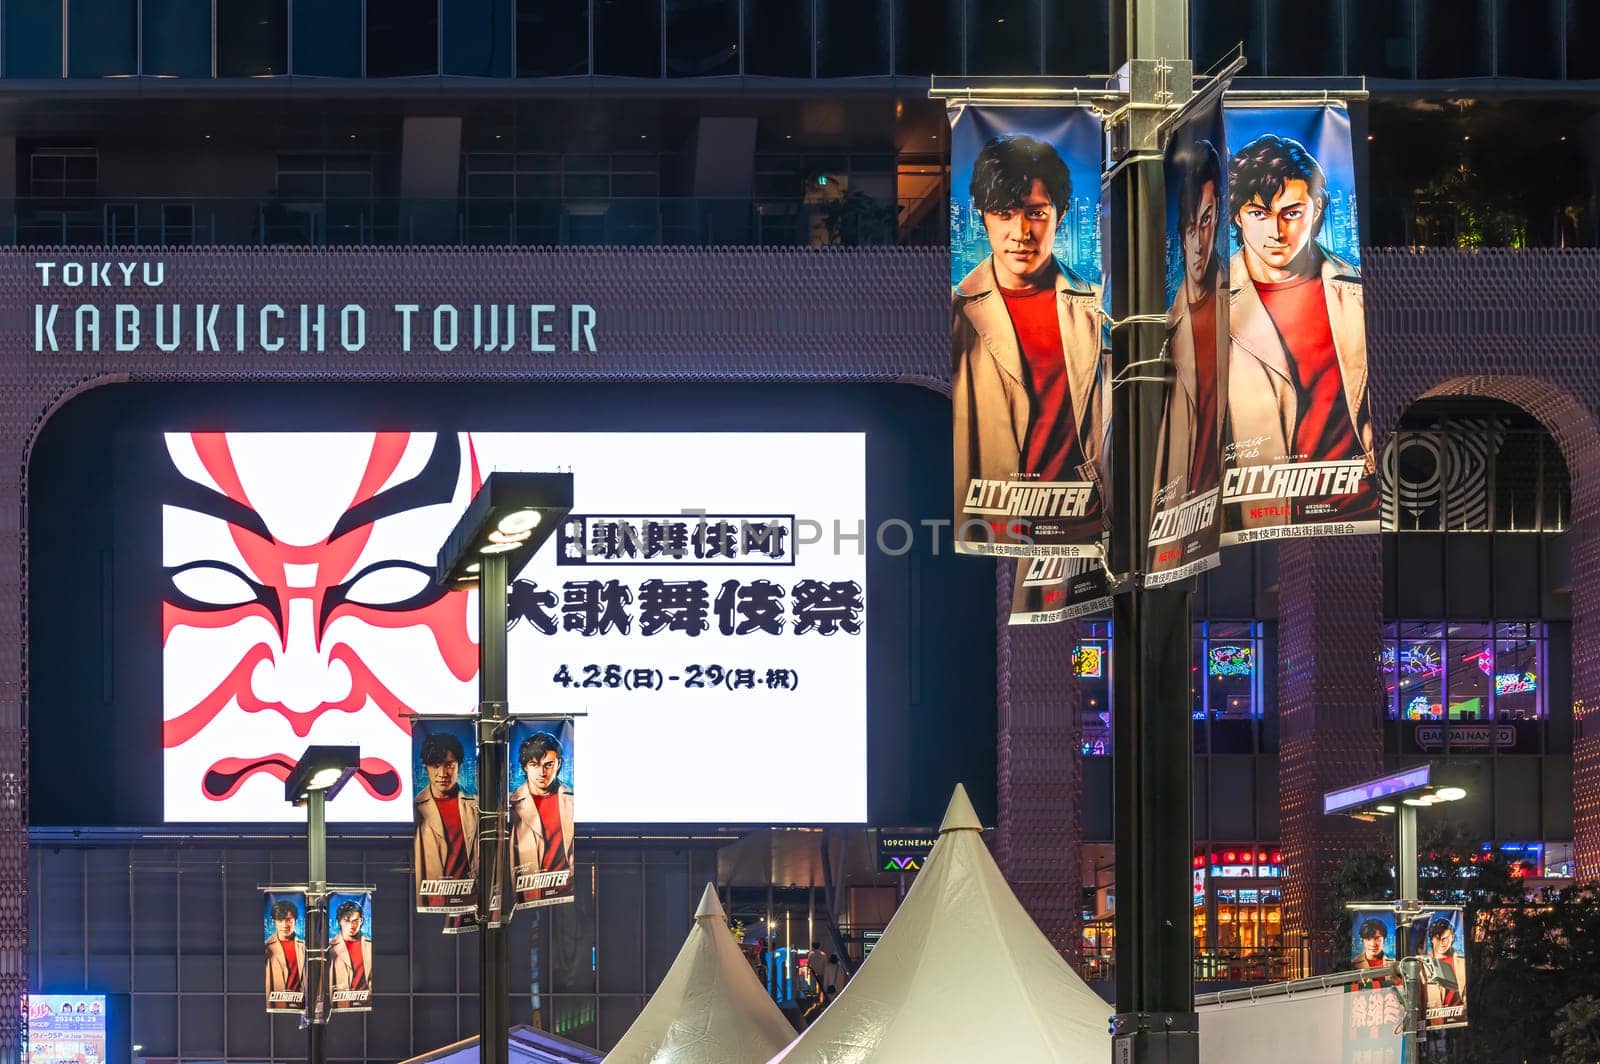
[512,514]
[321,768]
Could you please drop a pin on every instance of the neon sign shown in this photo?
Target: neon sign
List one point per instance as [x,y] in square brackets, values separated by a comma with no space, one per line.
[1231,661]
[1088,661]
[1515,683]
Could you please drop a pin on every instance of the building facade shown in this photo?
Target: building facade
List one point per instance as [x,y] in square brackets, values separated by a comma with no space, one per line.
[759,189]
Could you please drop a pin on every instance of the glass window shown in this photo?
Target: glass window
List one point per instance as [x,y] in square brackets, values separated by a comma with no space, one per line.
[1583,39]
[101,36]
[1217,26]
[327,38]
[252,38]
[177,38]
[1077,37]
[552,38]
[777,38]
[1378,41]
[33,40]
[702,37]
[1519,675]
[1302,39]
[928,37]
[852,38]
[627,38]
[1453,39]
[402,38]
[1530,37]
[1003,37]
[1481,672]
[1091,663]
[1469,661]
[478,38]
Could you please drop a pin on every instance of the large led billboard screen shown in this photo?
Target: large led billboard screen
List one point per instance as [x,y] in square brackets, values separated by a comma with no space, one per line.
[691,609]
[220,574]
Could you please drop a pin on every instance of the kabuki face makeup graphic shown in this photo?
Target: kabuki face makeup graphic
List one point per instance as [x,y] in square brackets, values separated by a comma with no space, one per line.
[300,609]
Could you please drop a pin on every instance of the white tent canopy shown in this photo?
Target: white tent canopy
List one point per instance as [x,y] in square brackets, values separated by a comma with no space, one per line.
[710,1008]
[961,973]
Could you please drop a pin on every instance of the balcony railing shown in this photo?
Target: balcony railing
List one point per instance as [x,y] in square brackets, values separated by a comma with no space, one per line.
[1223,964]
[856,220]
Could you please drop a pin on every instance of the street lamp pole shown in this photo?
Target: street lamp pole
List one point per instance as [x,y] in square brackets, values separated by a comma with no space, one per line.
[494,962]
[508,520]
[319,775]
[1151,635]
[316,922]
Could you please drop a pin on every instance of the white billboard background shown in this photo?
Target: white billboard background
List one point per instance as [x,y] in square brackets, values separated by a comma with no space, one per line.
[257,665]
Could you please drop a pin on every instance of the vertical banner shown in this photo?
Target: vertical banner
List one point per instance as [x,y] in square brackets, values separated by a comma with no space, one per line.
[284,931]
[1373,940]
[540,804]
[350,950]
[1185,518]
[1029,384]
[1438,936]
[444,770]
[1052,589]
[1298,459]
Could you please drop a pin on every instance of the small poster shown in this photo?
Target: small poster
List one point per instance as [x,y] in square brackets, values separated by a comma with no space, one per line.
[541,812]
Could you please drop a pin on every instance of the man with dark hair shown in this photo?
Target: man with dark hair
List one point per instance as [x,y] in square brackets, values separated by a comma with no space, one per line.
[1191,427]
[446,845]
[286,959]
[542,821]
[1373,934]
[1297,387]
[350,957]
[1028,387]
[1446,991]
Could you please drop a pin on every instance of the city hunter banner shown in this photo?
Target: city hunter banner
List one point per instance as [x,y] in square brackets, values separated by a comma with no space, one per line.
[1298,459]
[1051,589]
[350,949]
[444,769]
[540,811]
[1436,936]
[284,931]
[1029,385]
[1185,519]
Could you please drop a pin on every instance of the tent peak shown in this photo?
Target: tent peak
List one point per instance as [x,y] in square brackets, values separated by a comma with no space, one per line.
[959,815]
[710,905]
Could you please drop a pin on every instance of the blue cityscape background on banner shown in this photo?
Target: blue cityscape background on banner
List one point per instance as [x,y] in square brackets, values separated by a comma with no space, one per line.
[269,929]
[1075,133]
[1325,132]
[338,898]
[1214,133]
[525,729]
[464,731]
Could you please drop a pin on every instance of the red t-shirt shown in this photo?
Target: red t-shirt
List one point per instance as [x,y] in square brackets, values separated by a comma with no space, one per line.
[1050,449]
[358,965]
[456,862]
[294,967]
[1203,469]
[555,846]
[1323,427]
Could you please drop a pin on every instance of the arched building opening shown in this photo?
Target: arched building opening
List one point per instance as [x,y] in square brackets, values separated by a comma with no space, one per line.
[1476,656]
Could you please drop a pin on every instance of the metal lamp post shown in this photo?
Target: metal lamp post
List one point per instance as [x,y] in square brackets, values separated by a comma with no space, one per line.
[318,776]
[505,524]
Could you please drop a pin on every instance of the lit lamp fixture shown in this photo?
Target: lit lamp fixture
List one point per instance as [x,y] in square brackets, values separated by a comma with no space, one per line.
[321,768]
[511,517]
[321,773]
[1399,795]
